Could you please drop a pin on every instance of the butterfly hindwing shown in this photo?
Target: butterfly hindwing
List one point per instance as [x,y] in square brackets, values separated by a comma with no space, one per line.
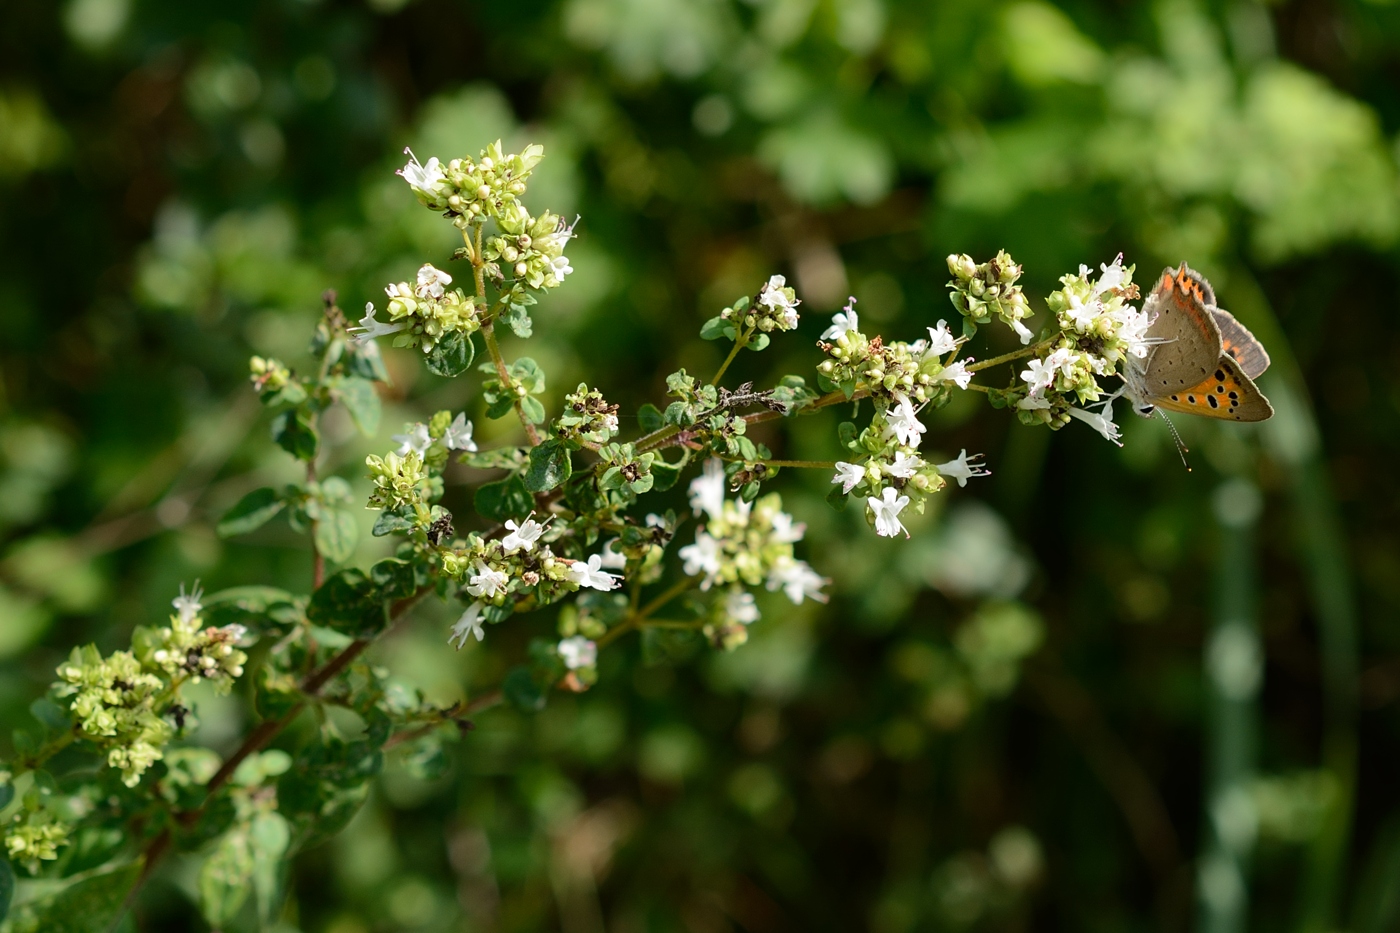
[1238,342]
[1227,394]
[1188,337]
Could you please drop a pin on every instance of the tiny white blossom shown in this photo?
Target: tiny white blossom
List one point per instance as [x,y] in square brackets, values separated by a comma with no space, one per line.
[848,475]
[962,469]
[1022,331]
[1040,374]
[773,297]
[370,328]
[1132,330]
[1102,421]
[468,624]
[707,489]
[417,439]
[941,339]
[560,267]
[613,559]
[432,281]
[887,509]
[1034,402]
[785,531]
[798,581]
[522,536]
[459,434]
[904,465]
[188,606]
[394,291]
[1113,275]
[701,557]
[590,573]
[422,177]
[957,373]
[842,321]
[485,583]
[740,606]
[578,652]
[903,422]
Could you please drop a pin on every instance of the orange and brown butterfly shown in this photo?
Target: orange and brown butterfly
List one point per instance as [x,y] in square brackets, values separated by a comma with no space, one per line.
[1201,361]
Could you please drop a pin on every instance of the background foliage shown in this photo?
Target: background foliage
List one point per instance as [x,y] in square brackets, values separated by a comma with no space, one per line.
[1198,734]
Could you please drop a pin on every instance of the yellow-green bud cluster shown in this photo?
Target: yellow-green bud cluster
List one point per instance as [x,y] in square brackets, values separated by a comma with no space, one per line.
[34,835]
[981,291]
[429,315]
[742,543]
[530,249]
[587,417]
[185,649]
[1095,315]
[117,704]
[398,481]
[268,375]
[773,308]
[468,190]
[887,369]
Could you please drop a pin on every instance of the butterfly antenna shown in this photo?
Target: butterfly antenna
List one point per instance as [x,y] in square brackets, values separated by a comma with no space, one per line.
[1181,449]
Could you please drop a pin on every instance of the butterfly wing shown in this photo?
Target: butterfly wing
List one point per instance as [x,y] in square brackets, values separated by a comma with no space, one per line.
[1189,338]
[1238,342]
[1227,393]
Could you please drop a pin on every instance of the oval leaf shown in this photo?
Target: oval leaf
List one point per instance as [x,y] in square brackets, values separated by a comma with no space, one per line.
[252,512]
[337,533]
[505,499]
[550,465]
[451,356]
[360,400]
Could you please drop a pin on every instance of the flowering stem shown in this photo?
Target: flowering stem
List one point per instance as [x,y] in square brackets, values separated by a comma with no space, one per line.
[810,464]
[1014,355]
[488,332]
[740,341]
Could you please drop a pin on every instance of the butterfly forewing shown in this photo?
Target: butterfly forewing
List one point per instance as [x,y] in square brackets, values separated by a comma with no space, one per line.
[1227,394]
[1190,339]
[1238,342]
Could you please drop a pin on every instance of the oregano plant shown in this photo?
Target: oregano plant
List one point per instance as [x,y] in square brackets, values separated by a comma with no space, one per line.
[582,533]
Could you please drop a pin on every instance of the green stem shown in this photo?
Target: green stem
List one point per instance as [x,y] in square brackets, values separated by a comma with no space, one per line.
[740,341]
[488,334]
[1014,355]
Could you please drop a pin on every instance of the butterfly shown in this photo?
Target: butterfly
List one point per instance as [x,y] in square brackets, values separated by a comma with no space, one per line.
[1202,361]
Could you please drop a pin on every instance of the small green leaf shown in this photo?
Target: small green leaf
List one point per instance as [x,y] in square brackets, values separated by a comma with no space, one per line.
[293,431]
[394,578]
[758,342]
[390,521]
[93,905]
[366,361]
[250,605]
[50,714]
[452,355]
[528,373]
[505,499]
[7,793]
[714,328]
[550,465]
[337,533]
[350,603]
[522,692]
[533,409]
[519,321]
[360,400]
[649,418]
[226,879]
[665,475]
[837,499]
[253,511]
[268,838]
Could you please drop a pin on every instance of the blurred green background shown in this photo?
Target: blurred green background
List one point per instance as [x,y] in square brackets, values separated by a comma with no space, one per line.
[1095,692]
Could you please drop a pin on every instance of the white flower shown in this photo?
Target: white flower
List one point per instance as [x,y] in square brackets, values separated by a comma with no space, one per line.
[394,291]
[417,439]
[188,606]
[844,320]
[1113,275]
[798,581]
[1040,374]
[848,475]
[701,557]
[785,532]
[962,469]
[432,281]
[522,536]
[593,575]
[578,652]
[370,328]
[1022,331]
[904,465]
[739,606]
[941,339]
[459,434]
[887,509]
[559,267]
[773,297]
[1034,402]
[707,489]
[1132,330]
[903,422]
[468,624]
[612,559]
[485,583]
[1102,421]
[957,373]
[423,177]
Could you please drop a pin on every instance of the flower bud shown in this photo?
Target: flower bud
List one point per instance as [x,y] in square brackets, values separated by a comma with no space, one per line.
[483,192]
[521,268]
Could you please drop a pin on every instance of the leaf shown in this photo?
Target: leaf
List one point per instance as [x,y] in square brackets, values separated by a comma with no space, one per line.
[665,475]
[451,355]
[268,837]
[759,342]
[50,714]
[348,602]
[522,692]
[837,499]
[360,400]
[248,605]
[507,498]
[7,883]
[337,533]
[294,433]
[391,520]
[93,905]
[533,409]
[253,511]
[528,373]
[394,578]
[519,320]
[649,418]
[226,879]
[550,465]
[7,793]
[714,328]
[366,361]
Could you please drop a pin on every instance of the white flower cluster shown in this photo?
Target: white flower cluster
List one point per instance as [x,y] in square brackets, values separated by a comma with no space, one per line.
[417,437]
